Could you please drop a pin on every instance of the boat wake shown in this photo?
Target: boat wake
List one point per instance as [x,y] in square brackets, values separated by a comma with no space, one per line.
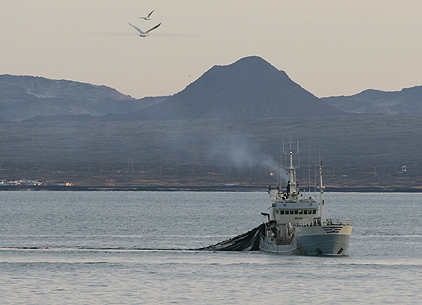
[248,241]
[94,248]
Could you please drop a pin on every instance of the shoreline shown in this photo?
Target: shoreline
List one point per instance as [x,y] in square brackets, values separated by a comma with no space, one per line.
[231,188]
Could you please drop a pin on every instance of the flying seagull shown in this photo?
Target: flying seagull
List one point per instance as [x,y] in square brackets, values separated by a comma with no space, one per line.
[142,33]
[147,17]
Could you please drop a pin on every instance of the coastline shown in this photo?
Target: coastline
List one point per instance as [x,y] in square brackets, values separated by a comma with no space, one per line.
[189,188]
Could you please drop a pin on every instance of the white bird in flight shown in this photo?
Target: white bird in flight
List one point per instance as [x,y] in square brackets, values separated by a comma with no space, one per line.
[142,33]
[147,17]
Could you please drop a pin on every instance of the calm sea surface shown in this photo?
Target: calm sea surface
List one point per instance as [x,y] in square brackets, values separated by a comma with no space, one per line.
[133,248]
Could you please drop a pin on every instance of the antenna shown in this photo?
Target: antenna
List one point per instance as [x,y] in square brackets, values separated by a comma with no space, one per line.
[297,148]
[322,202]
[279,167]
[290,148]
[292,186]
[309,168]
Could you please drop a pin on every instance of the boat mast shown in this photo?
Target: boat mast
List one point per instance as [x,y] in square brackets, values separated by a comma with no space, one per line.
[292,186]
[322,203]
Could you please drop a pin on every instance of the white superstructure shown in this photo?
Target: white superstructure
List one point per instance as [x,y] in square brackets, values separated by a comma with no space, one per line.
[297,222]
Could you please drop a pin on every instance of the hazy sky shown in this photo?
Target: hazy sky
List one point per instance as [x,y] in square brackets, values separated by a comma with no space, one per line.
[329,47]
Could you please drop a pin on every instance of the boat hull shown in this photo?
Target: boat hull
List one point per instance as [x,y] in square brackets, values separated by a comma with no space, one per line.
[310,241]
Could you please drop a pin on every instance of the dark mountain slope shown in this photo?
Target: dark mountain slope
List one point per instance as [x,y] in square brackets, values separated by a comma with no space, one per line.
[406,101]
[248,88]
[25,97]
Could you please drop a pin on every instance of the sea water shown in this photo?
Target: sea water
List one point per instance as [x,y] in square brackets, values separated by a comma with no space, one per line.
[139,248]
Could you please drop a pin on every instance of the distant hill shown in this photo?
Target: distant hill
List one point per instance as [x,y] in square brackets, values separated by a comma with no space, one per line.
[364,150]
[228,120]
[25,97]
[406,101]
[248,88]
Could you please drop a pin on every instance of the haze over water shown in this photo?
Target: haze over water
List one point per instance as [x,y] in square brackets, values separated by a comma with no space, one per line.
[132,248]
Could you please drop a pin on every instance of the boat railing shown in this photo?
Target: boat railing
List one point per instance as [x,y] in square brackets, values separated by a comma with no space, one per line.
[308,222]
[328,222]
[344,222]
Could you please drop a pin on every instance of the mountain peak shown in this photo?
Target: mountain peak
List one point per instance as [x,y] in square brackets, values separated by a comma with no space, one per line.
[249,61]
[248,88]
[249,66]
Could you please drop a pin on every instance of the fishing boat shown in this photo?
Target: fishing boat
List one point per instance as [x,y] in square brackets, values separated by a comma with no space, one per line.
[297,222]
